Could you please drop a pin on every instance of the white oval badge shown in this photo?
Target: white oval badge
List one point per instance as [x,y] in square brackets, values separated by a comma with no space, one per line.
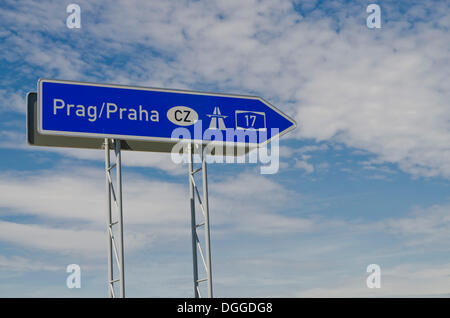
[182,115]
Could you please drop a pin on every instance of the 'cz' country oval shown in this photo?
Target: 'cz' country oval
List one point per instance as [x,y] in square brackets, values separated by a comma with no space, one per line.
[182,115]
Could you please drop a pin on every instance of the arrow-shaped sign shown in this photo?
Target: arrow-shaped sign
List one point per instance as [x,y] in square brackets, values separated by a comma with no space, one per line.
[136,113]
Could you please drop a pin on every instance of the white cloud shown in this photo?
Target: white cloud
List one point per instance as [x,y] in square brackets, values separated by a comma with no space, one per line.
[75,201]
[312,148]
[72,207]
[12,101]
[18,263]
[289,152]
[253,204]
[323,166]
[405,280]
[65,241]
[385,95]
[304,165]
[426,226]
[79,195]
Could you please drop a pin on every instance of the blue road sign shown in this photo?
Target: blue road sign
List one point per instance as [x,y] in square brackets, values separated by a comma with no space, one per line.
[138,113]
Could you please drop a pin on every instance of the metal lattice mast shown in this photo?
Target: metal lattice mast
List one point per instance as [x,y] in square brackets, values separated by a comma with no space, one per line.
[203,202]
[114,202]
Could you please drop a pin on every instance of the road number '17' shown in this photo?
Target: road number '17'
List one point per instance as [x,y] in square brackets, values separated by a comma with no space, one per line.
[250,119]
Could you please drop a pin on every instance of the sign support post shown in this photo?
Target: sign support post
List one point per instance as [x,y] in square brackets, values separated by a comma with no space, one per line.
[115,251]
[204,207]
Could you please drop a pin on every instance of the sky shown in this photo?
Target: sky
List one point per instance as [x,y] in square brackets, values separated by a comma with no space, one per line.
[363,179]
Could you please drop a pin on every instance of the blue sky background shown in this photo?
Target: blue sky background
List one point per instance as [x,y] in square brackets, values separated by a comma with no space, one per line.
[363,179]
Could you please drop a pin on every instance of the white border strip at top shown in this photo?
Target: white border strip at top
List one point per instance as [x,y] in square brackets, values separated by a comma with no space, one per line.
[160,139]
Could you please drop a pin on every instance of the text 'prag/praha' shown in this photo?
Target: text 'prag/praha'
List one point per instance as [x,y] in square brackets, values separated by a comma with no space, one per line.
[107,110]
